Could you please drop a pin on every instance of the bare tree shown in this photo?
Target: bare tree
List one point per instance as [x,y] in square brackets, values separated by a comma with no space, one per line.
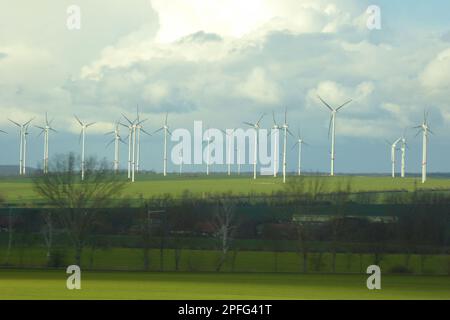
[224,225]
[78,201]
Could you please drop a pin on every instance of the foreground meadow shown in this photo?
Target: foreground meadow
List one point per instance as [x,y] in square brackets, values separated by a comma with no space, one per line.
[26,284]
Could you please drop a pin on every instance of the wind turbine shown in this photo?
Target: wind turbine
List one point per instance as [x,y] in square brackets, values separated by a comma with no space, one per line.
[130,128]
[332,128]
[46,130]
[276,129]
[403,148]
[21,143]
[165,127]
[83,139]
[300,142]
[229,134]
[256,126]
[208,155]
[285,128]
[425,130]
[139,128]
[25,138]
[117,140]
[181,161]
[393,150]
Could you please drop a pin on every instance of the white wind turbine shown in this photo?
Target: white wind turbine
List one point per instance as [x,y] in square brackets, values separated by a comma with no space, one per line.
[117,140]
[22,130]
[25,139]
[165,127]
[424,127]
[275,129]
[332,128]
[83,140]
[46,130]
[300,142]
[208,155]
[285,128]
[130,128]
[403,148]
[139,128]
[229,136]
[255,126]
[393,146]
[133,127]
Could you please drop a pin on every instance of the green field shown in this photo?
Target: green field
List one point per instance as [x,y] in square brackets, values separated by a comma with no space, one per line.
[21,189]
[137,285]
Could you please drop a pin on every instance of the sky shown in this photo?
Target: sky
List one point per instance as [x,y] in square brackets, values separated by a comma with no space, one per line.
[225,62]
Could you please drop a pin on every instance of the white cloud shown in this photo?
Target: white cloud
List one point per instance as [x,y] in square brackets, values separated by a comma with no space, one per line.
[436,75]
[259,87]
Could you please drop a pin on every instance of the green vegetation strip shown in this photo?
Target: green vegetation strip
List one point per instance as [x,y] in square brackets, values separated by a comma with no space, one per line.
[21,189]
[138,285]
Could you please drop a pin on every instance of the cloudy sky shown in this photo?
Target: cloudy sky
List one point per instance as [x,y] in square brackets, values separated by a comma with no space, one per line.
[228,61]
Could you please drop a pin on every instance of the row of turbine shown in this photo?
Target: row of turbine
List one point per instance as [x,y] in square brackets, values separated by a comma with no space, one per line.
[135,128]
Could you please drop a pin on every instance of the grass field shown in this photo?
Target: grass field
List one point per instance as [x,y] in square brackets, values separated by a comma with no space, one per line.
[27,284]
[21,189]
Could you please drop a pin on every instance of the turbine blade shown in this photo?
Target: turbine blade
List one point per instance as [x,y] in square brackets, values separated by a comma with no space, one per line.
[129,121]
[15,123]
[109,143]
[329,127]
[111,132]
[326,104]
[260,118]
[165,121]
[90,124]
[343,105]
[295,144]
[79,121]
[273,117]
[3,131]
[158,130]
[26,123]
[249,124]
[149,134]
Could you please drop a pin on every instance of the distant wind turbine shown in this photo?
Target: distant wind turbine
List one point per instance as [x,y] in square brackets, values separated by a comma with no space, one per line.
[83,140]
[46,130]
[332,129]
[22,130]
[424,127]
[403,148]
[285,128]
[300,142]
[117,140]
[256,126]
[393,146]
[166,130]
[276,130]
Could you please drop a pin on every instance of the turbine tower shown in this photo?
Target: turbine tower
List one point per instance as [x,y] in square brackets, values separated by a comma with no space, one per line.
[117,140]
[139,128]
[393,150]
[285,128]
[21,143]
[229,136]
[424,127]
[46,130]
[208,155]
[25,138]
[403,148]
[165,127]
[331,128]
[130,141]
[256,126]
[300,142]
[83,140]
[276,129]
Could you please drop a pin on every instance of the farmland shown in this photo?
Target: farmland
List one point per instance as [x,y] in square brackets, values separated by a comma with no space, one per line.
[21,189]
[21,284]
